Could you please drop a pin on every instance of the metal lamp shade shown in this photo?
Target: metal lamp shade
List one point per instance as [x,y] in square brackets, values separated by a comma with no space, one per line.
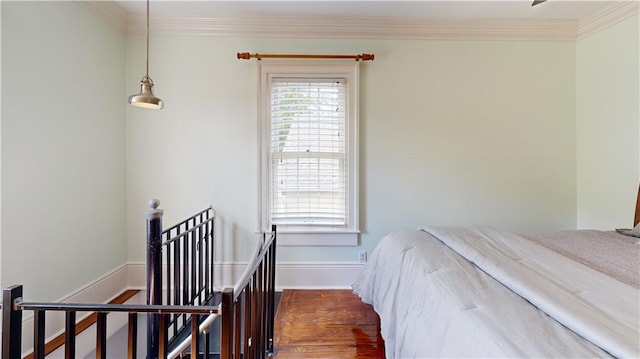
[146,98]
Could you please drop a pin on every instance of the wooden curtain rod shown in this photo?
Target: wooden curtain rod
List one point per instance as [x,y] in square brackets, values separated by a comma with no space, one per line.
[248,56]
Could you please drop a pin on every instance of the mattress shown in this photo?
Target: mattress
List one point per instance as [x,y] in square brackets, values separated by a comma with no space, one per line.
[481,292]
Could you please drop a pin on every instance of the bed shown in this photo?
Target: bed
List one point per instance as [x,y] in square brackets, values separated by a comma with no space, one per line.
[483,292]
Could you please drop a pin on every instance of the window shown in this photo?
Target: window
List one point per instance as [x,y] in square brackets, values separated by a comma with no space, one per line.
[309,161]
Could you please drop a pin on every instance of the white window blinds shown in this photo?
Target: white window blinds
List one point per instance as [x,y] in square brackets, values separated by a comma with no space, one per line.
[308,152]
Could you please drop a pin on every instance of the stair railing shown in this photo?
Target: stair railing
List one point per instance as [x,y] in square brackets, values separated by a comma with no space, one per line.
[249,308]
[13,307]
[180,268]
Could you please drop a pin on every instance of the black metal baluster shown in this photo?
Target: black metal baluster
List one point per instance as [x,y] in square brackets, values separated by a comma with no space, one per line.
[38,333]
[170,281]
[132,340]
[259,321]
[248,304]
[227,330]
[255,315]
[162,336]
[212,244]
[185,273]
[207,344]
[207,254]
[272,289]
[239,336]
[206,264]
[178,283]
[268,300]
[195,335]
[265,302]
[194,265]
[101,336]
[168,257]
[200,263]
[70,335]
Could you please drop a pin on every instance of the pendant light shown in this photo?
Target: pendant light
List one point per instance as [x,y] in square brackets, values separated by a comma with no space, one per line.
[146,98]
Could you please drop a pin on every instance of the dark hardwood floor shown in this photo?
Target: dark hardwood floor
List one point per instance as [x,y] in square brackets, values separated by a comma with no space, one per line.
[326,324]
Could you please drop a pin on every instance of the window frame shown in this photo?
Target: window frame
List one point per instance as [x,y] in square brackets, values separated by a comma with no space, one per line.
[310,69]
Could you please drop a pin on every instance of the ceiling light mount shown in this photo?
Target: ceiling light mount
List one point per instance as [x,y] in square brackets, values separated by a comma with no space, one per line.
[146,98]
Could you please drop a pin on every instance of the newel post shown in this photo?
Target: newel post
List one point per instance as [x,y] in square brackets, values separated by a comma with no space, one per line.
[154,274]
[11,322]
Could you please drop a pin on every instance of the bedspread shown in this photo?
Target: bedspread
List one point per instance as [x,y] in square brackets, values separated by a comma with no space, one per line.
[434,303]
[609,252]
[602,310]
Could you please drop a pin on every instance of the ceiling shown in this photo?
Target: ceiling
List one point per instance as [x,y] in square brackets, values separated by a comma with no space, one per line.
[553,20]
[423,10]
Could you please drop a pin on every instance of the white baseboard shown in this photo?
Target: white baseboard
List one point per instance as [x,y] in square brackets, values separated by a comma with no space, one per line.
[316,275]
[303,275]
[321,275]
[102,290]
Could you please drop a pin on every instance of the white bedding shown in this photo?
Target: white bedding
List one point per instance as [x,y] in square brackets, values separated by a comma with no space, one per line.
[434,303]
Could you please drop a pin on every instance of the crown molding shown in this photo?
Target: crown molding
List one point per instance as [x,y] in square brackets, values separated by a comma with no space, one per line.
[606,16]
[370,28]
[108,11]
[361,28]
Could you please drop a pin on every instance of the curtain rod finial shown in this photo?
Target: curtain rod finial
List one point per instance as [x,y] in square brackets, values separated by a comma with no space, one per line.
[366,57]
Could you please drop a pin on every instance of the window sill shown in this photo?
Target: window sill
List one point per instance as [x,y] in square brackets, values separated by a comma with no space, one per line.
[319,238]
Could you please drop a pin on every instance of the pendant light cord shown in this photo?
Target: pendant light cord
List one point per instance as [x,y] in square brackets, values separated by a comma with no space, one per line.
[147,38]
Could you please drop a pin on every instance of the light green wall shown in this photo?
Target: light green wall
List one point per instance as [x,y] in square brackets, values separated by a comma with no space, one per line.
[63,184]
[452,132]
[0,148]
[608,126]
